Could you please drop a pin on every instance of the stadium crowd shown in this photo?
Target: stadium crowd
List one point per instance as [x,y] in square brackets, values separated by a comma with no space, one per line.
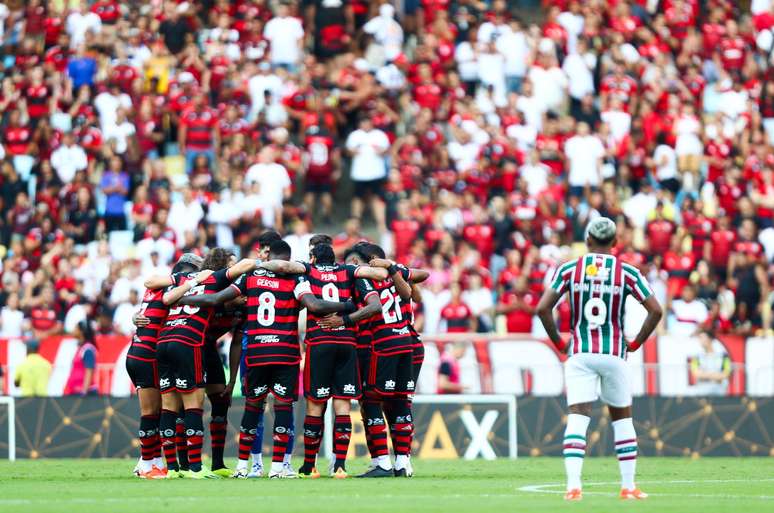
[468,138]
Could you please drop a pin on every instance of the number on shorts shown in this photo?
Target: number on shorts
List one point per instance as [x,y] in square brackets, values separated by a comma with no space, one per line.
[189,309]
[266,312]
[389,299]
[595,312]
[330,292]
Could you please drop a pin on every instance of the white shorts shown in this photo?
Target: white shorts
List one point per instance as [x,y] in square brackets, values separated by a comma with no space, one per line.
[589,377]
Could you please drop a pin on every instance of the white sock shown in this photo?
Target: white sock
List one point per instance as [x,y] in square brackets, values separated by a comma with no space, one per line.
[146,465]
[276,466]
[241,465]
[575,448]
[384,462]
[257,458]
[401,461]
[159,463]
[374,462]
[286,458]
[626,450]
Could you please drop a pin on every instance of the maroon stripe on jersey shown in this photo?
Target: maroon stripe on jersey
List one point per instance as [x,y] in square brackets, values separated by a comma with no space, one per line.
[618,273]
[576,303]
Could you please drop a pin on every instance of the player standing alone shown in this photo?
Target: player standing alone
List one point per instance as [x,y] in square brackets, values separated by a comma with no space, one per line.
[597,285]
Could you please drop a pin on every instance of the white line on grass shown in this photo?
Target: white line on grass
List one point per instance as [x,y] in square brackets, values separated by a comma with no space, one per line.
[544,488]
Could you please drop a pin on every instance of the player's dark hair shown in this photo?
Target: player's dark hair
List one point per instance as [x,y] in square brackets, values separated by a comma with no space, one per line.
[266,239]
[360,249]
[375,251]
[323,254]
[602,242]
[279,250]
[183,267]
[216,259]
[320,238]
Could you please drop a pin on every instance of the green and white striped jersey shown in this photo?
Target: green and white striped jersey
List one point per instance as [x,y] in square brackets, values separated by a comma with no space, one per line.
[597,286]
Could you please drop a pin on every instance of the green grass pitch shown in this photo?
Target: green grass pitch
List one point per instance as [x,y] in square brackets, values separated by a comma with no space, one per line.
[527,484]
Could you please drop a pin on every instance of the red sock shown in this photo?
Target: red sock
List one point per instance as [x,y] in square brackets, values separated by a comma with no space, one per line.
[342,432]
[194,430]
[168,438]
[313,430]
[283,425]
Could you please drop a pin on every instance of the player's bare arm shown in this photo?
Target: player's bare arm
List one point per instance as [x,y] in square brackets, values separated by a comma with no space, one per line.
[206,300]
[416,293]
[371,273]
[181,290]
[245,265]
[158,281]
[322,307]
[545,313]
[283,267]
[655,313]
[373,306]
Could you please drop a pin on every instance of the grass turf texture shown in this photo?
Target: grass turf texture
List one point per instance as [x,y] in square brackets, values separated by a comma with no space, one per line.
[528,484]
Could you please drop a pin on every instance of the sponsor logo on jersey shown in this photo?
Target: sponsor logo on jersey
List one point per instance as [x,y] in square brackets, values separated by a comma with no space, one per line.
[260,390]
[595,273]
[402,331]
[176,322]
[267,339]
[349,388]
[280,389]
[389,385]
[164,382]
[323,391]
[182,383]
[410,385]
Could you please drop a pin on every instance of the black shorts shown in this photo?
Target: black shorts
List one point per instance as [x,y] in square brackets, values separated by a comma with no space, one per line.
[331,371]
[318,184]
[391,374]
[363,363]
[214,374]
[143,372]
[417,359]
[180,367]
[280,380]
[364,188]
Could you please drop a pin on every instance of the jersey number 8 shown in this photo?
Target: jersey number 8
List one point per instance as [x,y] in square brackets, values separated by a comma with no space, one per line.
[266,311]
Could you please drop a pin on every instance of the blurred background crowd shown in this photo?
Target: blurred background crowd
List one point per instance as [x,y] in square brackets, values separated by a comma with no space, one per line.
[475,138]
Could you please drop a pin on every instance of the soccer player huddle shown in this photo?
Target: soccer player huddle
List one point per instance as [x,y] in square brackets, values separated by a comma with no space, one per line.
[360,345]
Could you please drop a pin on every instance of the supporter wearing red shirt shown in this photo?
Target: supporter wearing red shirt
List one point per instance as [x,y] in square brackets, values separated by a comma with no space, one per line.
[713,32]
[721,242]
[38,96]
[679,17]
[45,319]
[480,235]
[732,48]
[405,230]
[717,152]
[198,133]
[729,191]
[620,85]
[518,306]
[108,11]
[17,137]
[679,264]
[456,314]
[659,232]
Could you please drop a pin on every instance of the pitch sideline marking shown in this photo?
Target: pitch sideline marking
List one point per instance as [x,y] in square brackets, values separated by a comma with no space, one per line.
[542,488]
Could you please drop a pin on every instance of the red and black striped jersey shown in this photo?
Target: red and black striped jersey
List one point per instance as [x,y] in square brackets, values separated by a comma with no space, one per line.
[188,324]
[272,316]
[145,337]
[390,329]
[225,319]
[336,283]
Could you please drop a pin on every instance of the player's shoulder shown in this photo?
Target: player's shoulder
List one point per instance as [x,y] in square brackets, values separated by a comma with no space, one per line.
[630,269]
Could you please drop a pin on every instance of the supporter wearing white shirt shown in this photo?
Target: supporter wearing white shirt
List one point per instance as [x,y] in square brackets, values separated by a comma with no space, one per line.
[578,67]
[491,71]
[222,213]
[184,215]
[464,151]
[584,153]
[491,31]
[274,186]
[513,46]
[390,77]
[286,35]
[548,80]
[535,173]
[479,301]
[68,159]
[299,241]
[386,31]
[688,313]
[665,161]
[108,103]
[154,243]
[572,21]
[618,120]
[122,317]
[259,84]
[11,318]
[368,145]
[467,62]
[119,132]
[531,106]
[80,22]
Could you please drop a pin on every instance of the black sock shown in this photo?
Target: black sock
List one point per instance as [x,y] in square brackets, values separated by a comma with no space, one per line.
[218,429]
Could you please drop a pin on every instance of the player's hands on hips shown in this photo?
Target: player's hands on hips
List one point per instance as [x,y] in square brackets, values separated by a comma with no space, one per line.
[331,321]
[140,320]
